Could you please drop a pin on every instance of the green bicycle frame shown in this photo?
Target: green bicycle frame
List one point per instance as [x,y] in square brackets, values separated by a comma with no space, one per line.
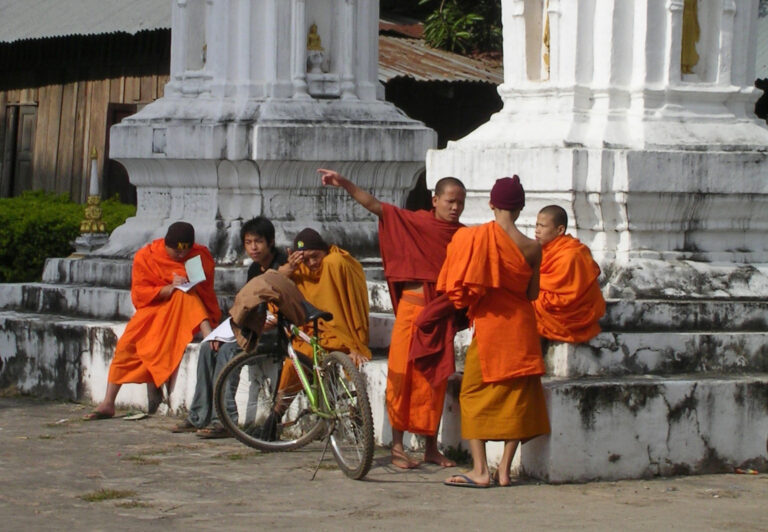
[316,350]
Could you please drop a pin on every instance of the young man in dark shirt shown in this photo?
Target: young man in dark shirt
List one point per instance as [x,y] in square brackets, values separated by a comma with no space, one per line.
[258,237]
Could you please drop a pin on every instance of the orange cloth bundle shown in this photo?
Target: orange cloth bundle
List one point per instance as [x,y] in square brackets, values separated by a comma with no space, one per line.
[570,302]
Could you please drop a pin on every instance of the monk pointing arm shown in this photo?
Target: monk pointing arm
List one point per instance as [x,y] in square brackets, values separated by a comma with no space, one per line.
[367,200]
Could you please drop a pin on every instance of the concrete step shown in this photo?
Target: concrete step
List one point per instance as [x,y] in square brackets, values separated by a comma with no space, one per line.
[116,273]
[660,353]
[612,429]
[103,302]
[685,315]
[602,428]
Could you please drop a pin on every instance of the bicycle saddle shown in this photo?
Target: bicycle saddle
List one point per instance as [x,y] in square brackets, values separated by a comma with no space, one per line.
[313,313]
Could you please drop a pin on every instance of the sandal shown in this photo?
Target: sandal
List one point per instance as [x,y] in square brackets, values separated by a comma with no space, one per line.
[212,432]
[184,426]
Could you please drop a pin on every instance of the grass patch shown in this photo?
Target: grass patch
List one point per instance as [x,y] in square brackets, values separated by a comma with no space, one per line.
[239,456]
[133,504]
[10,392]
[458,455]
[106,495]
[140,459]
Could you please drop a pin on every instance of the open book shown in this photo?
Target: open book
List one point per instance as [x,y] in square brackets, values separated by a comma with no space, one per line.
[224,333]
[195,273]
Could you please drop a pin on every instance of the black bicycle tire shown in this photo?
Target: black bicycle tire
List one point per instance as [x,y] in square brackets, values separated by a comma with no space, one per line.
[366,417]
[236,364]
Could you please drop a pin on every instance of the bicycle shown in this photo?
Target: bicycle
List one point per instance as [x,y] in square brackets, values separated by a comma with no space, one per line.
[329,401]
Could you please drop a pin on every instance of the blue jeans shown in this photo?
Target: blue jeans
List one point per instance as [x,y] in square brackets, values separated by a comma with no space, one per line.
[209,365]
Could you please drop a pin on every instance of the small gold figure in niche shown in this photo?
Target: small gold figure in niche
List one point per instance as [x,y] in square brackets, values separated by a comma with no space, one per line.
[689,57]
[313,39]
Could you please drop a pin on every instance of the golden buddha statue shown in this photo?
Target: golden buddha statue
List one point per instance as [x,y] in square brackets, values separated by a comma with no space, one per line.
[689,57]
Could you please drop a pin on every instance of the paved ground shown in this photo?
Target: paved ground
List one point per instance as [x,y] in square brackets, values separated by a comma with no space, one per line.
[52,466]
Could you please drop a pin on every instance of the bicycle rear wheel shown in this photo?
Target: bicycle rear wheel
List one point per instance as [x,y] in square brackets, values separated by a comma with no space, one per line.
[246,400]
[351,436]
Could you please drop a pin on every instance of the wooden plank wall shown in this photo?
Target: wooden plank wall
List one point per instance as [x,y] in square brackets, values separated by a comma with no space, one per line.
[71,120]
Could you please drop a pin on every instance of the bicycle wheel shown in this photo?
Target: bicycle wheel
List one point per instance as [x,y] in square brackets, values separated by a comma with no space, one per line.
[351,436]
[247,399]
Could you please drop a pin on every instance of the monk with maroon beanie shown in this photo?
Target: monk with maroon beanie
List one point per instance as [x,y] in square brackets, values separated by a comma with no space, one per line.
[412,245]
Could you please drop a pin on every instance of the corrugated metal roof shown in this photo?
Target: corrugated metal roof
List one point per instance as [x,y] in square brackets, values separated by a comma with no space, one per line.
[39,19]
[413,58]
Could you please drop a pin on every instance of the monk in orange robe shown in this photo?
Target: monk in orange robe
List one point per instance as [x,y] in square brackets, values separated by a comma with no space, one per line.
[412,245]
[166,319]
[333,281]
[570,302]
[492,270]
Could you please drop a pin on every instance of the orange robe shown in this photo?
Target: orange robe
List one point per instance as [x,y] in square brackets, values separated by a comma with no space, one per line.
[412,245]
[339,288]
[501,393]
[413,404]
[155,338]
[570,302]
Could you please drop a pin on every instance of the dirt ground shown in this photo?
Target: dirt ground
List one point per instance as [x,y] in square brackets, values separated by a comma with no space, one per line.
[58,472]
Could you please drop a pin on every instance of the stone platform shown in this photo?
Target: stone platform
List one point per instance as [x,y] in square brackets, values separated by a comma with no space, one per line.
[670,386]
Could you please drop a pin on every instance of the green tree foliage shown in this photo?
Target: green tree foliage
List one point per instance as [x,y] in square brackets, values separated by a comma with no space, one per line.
[38,225]
[464,25]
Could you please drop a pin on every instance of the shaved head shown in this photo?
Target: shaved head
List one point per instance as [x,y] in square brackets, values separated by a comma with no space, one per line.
[558,214]
[446,182]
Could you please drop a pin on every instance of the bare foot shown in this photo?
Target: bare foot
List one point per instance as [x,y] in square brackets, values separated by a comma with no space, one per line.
[403,461]
[436,457]
[500,479]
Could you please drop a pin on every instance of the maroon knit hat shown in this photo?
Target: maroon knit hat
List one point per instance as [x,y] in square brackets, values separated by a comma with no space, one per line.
[508,194]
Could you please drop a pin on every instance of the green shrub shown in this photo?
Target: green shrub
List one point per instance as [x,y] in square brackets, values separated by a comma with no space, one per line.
[38,225]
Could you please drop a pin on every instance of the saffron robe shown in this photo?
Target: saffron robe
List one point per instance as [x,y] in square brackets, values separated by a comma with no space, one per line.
[501,394]
[570,302]
[155,338]
[339,287]
[412,245]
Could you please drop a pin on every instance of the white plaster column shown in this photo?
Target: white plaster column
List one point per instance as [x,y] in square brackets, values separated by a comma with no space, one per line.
[243,50]
[217,45]
[179,21]
[347,30]
[725,51]
[674,42]
[299,49]
[513,17]
[270,61]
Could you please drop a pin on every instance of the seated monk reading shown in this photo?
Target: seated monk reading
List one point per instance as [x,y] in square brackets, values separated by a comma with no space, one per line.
[166,319]
[570,302]
[412,245]
[492,270]
[331,280]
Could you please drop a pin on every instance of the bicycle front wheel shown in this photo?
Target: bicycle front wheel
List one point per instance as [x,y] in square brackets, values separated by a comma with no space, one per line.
[257,413]
[351,436]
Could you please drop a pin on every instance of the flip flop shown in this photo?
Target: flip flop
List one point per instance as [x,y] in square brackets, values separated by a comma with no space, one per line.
[468,483]
[96,415]
[212,433]
[184,426]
